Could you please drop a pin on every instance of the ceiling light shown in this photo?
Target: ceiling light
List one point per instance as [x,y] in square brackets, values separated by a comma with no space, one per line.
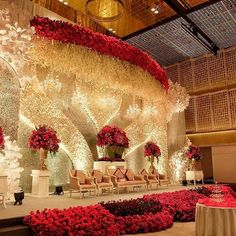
[153,9]
[156,11]
[60,0]
[119,5]
[65,3]
[113,31]
[110,29]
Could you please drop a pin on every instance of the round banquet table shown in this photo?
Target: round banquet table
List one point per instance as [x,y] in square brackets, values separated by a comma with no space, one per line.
[215,221]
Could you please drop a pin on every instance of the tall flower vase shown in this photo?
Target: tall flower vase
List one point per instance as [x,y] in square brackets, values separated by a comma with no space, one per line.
[114,151]
[42,157]
[196,165]
[152,167]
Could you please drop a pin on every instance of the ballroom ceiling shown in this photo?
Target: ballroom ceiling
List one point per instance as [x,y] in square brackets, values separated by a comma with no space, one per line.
[170,43]
[138,14]
[160,34]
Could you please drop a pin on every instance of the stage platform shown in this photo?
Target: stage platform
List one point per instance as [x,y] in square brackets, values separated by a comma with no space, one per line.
[11,218]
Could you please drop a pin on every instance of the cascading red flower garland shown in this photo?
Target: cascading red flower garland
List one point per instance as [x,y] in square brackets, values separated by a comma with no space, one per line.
[76,34]
[151,149]
[2,139]
[44,137]
[112,136]
[193,152]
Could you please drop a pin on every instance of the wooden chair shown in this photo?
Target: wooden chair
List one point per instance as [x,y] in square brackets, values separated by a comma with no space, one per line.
[151,179]
[163,180]
[103,182]
[81,183]
[3,199]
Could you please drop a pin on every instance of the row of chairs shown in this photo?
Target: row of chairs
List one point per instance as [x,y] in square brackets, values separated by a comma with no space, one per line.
[97,182]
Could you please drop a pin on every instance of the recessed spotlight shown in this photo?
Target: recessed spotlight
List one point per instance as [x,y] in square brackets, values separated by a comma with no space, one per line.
[60,0]
[65,3]
[153,9]
[113,31]
[110,29]
[156,11]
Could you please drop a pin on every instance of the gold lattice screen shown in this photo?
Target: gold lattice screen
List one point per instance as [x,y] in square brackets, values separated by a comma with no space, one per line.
[206,73]
[212,111]
[208,79]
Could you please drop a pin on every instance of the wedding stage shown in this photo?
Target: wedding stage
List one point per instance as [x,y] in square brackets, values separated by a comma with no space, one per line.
[98,117]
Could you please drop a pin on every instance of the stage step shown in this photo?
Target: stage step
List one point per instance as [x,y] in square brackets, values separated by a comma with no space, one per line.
[19,230]
[13,226]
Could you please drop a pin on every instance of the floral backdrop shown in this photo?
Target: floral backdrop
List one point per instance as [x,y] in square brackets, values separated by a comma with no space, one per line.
[78,91]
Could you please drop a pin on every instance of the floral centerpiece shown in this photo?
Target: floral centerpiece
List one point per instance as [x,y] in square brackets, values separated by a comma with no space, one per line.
[151,150]
[44,139]
[193,154]
[2,140]
[114,140]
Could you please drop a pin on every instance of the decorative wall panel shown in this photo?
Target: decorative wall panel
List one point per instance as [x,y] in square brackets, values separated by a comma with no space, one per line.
[232,106]
[220,111]
[201,73]
[190,116]
[203,110]
[216,70]
[230,60]
[186,75]
[213,112]
[172,73]
[206,73]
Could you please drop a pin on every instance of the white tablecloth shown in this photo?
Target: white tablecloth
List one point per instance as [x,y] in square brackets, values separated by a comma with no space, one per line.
[195,175]
[215,221]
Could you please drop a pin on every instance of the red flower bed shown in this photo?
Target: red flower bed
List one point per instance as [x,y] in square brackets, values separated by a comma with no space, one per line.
[138,206]
[75,34]
[75,221]
[112,136]
[151,213]
[144,223]
[2,139]
[180,204]
[44,137]
[151,149]
[139,215]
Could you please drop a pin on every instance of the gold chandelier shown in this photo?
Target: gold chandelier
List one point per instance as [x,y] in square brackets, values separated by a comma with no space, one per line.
[104,10]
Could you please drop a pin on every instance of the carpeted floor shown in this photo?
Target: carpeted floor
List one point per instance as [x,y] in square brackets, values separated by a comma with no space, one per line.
[33,204]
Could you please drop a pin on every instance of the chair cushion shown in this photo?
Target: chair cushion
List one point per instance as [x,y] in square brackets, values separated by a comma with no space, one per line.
[135,182]
[119,174]
[122,180]
[144,172]
[98,175]
[105,184]
[129,175]
[87,186]
[81,176]
[161,176]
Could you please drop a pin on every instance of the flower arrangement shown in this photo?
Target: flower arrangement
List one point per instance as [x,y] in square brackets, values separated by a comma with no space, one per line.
[112,136]
[44,137]
[151,149]
[107,45]
[193,152]
[2,139]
